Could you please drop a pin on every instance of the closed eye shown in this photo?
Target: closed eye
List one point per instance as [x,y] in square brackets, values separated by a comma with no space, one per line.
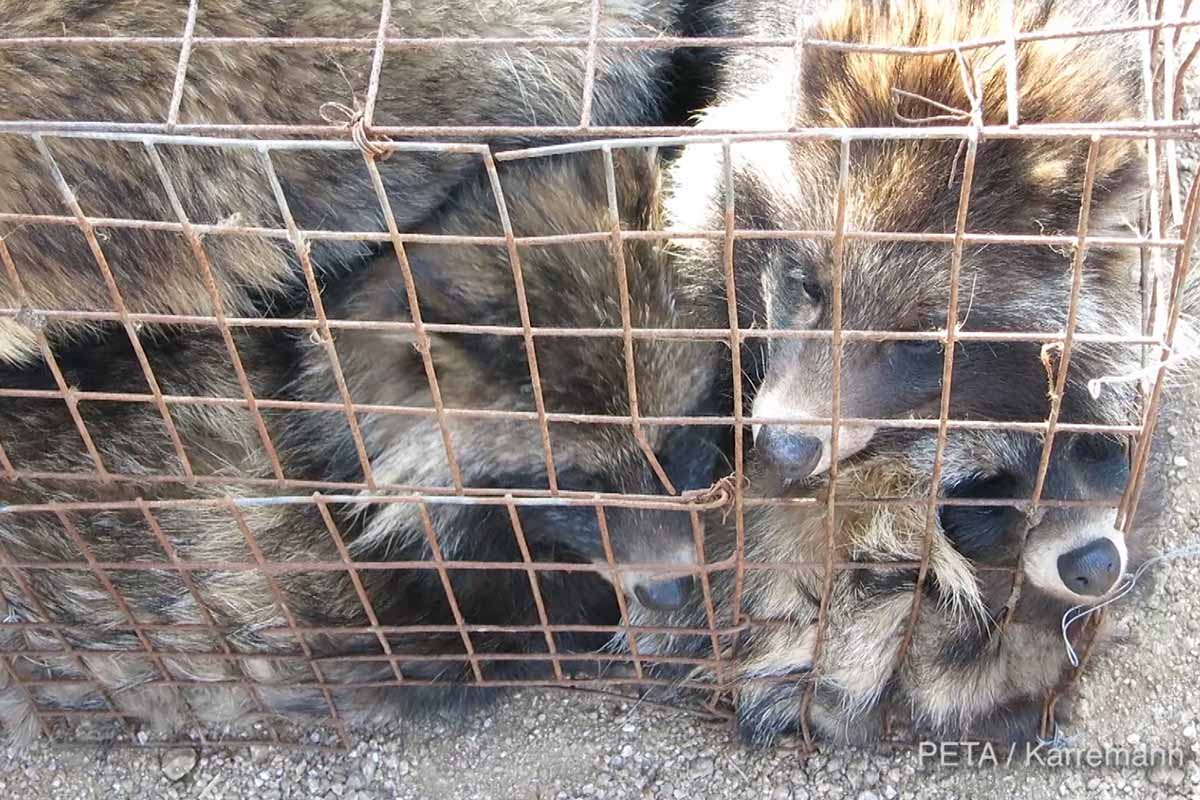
[805,286]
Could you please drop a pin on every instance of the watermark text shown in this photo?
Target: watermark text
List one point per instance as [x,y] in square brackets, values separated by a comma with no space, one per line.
[1046,754]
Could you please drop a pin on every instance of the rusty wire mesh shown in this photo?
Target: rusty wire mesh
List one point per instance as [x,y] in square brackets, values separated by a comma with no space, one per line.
[1165,242]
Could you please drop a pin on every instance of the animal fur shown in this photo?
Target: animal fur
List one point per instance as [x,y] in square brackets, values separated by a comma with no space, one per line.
[1030,186]
[568,285]
[156,271]
[961,676]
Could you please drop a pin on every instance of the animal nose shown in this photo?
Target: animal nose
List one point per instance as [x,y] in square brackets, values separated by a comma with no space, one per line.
[795,455]
[1090,570]
[664,594]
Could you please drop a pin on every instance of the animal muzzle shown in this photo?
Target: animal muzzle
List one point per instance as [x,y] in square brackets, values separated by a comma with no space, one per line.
[662,581]
[797,452]
[1091,570]
[793,453]
[664,593]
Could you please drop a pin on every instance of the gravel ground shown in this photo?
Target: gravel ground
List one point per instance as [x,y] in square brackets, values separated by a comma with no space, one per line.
[553,745]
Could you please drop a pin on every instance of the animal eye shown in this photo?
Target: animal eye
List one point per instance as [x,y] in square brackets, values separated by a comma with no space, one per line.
[813,291]
[979,531]
[805,285]
[981,486]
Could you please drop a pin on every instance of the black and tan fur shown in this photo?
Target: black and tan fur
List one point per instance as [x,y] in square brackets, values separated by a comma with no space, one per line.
[1029,186]
[961,676]
[156,271]
[470,283]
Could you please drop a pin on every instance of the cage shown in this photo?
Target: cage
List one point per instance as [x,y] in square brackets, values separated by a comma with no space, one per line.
[193,656]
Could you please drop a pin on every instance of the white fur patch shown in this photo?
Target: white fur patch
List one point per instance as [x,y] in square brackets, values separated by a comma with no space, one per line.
[1041,558]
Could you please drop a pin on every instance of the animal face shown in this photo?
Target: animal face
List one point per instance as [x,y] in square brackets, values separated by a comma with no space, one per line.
[569,285]
[1073,554]
[662,542]
[1019,187]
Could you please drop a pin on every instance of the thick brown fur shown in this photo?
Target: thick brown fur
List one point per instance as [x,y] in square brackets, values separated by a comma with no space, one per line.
[1029,186]
[568,285]
[156,271]
[961,676]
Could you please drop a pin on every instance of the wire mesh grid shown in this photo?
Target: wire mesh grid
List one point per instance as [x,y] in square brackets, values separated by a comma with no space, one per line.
[147,500]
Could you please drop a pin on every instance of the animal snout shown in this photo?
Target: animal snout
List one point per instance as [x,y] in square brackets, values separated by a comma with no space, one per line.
[1091,570]
[794,454]
[664,594]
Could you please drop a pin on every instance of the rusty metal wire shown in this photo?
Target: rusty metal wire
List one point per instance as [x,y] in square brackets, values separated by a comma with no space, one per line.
[1168,234]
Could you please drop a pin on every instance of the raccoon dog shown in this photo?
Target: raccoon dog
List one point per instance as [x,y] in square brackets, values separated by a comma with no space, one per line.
[239,609]
[962,674]
[130,88]
[1020,186]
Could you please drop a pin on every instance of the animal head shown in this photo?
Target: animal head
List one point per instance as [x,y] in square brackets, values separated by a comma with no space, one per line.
[959,675]
[1072,554]
[1069,547]
[1020,186]
[581,377]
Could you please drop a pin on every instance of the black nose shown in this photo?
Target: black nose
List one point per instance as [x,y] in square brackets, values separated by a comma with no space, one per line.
[1090,570]
[664,594]
[795,455]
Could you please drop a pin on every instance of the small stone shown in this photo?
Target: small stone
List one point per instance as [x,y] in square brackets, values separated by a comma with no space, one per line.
[1180,461]
[1159,774]
[1133,738]
[178,762]
[627,751]
[1172,431]
[781,793]
[143,737]
[1189,732]
[404,768]
[703,767]
[868,796]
